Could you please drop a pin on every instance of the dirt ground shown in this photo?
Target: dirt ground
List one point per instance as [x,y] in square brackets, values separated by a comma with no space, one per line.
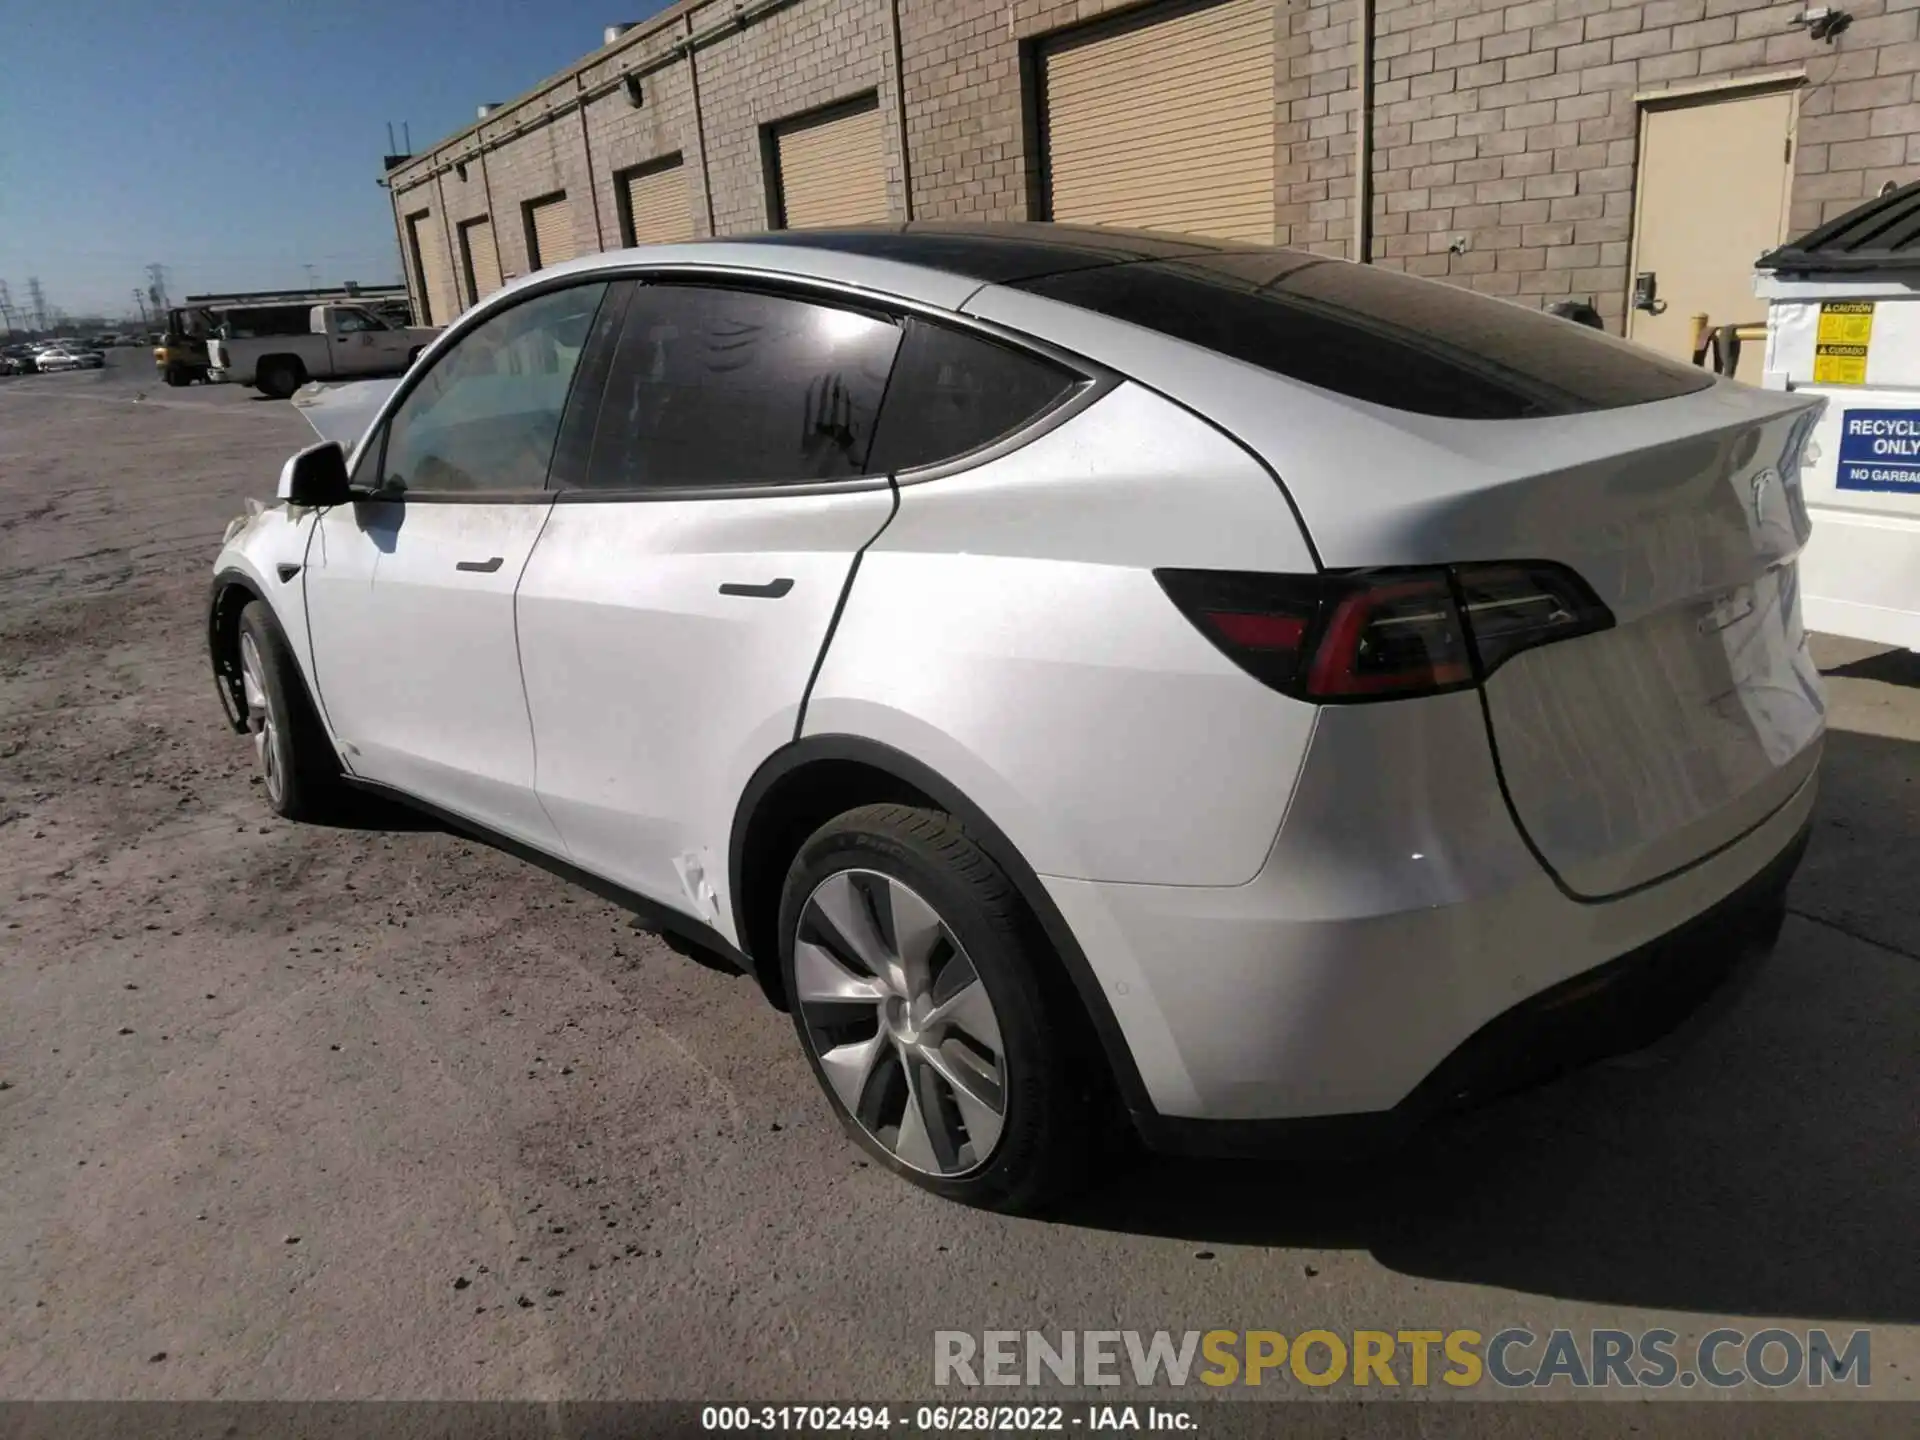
[296,1113]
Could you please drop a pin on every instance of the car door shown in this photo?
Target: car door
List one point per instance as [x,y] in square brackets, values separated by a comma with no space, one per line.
[410,590]
[358,344]
[690,571]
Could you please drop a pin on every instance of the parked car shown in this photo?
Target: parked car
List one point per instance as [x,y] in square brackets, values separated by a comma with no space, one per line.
[1074,672]
[69,357]
[21,356]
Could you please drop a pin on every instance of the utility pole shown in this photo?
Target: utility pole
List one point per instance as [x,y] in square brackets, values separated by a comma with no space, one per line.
[157,287]
[6,308]
[140,299]
[37,300]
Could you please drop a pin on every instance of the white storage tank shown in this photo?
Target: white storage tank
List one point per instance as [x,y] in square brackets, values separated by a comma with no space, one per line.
[1843,321]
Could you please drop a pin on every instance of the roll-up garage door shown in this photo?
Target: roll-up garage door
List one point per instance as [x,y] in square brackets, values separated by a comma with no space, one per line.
[436,274]
[659,211]
[482,256]
[833,170]
[1166,125]
[550,223]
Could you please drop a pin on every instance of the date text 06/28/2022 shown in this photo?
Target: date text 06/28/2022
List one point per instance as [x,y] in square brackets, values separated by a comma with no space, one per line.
[943,1419]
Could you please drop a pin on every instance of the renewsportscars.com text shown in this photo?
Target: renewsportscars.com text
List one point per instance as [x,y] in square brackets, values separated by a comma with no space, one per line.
[1512,1358]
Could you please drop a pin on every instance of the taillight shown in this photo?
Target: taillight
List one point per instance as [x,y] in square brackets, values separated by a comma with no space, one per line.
[1377,635]
[1514,607]
[1393,635]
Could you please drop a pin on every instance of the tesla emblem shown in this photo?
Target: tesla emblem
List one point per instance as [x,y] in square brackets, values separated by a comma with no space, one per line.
[1761,484]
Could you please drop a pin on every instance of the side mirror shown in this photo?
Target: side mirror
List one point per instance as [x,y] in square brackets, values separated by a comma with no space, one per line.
[315,477]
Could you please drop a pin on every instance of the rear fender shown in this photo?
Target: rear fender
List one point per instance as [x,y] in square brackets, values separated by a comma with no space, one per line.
[916,775]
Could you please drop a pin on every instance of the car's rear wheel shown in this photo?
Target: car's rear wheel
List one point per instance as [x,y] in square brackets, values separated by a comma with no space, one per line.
[298,768]
[929,1008]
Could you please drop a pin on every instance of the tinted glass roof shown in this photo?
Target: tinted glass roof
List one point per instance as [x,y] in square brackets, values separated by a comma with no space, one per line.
[1377,335]
[998,252]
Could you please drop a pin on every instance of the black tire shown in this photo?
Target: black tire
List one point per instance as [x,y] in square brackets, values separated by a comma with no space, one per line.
[279,378]
[299,770]
[176,375]
[1047,1139]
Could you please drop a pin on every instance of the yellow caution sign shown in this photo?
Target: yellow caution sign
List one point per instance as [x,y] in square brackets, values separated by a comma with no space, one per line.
[1840,347]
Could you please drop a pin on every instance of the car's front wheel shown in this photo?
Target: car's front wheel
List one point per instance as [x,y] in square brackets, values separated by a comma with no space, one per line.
[298,768]
[931,1011]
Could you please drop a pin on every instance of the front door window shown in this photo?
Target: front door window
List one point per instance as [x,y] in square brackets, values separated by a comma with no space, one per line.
[484,418]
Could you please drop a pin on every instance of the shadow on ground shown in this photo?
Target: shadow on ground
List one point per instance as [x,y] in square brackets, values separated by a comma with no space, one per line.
[362,810]
[1889,667]
[1764,1160]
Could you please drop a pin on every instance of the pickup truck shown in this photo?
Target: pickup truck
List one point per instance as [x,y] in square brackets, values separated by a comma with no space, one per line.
[344,341]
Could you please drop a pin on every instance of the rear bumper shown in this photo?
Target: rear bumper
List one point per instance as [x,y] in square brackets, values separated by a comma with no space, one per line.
[1618,1007]
[1398,917]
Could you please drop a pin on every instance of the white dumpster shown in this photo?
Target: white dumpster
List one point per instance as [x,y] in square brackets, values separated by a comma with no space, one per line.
[1843,321]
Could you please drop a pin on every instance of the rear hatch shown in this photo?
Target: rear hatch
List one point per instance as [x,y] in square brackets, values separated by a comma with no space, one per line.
[1631,752]
[1418,425]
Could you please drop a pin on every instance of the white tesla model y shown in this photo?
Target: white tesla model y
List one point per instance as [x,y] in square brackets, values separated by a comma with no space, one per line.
[1073,671]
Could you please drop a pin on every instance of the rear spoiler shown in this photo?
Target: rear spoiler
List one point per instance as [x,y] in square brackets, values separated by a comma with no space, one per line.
[343,411]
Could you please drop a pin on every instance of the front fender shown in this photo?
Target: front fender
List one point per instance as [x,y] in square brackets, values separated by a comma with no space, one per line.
[262,559]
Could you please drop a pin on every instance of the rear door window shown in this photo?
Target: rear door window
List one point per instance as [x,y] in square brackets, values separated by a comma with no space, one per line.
[954,392]
[1379,336]
[713,386]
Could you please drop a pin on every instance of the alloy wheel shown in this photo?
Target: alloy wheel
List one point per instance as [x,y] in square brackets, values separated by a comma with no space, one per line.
[260,721]
[900,1022]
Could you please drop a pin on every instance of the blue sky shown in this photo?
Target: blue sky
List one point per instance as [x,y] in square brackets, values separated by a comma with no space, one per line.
[238,141]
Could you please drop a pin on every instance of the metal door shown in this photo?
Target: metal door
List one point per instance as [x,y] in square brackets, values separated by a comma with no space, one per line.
[1166,125]
[482,257]
[833,170]
[550,227]
[1713,187]
[659,210]
[436,275]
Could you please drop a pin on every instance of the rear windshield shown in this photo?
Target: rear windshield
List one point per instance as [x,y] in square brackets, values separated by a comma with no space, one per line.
[1379,336]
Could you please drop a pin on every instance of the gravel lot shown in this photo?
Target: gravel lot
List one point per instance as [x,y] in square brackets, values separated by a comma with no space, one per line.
[301,1113]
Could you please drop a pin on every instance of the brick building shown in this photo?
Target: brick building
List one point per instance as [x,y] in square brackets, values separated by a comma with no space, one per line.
[1537,150]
